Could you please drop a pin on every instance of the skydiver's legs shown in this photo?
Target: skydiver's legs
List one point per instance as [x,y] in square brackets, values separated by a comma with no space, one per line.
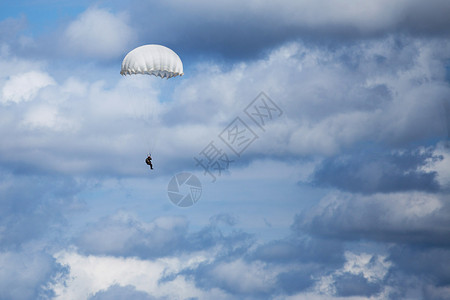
[151,166]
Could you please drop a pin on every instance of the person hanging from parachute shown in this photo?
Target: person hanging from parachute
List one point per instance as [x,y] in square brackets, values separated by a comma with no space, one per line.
[153,60]
[148,161]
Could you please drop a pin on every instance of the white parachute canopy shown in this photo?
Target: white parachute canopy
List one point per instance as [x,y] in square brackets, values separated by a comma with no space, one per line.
[153,60]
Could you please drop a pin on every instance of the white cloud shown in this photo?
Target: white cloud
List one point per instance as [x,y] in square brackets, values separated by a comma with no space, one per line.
[372,267]
[98,33]
[91,274]
[243,277]
[372,91]
[47,117]
[25,86]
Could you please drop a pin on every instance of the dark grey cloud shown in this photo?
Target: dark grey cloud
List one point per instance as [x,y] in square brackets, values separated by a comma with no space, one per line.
[375,172]
[413,228]
[292,282]
[420,272]
[446,112]
[219,30]
[416,219]
[301,249]
[427,263]
[200,27]
[348,285]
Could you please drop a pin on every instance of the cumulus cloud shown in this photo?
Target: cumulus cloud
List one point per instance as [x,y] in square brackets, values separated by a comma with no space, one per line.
[267,270]
[25,86]
[47,117]
[117,292]
[92,276]
[98,33]
[64,124]
[212,264]
[370,92]
[300,266]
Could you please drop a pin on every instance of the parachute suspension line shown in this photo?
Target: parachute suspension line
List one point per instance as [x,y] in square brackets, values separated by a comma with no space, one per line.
[143,112]
[151,130]
[152,125]
[148,120]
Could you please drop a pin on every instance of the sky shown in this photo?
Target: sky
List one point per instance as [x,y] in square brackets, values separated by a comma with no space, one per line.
[312,138]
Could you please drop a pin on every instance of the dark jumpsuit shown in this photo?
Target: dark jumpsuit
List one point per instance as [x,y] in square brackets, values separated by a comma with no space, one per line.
[148,161]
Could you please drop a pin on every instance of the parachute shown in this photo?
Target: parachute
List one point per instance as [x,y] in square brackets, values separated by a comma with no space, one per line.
[154,60]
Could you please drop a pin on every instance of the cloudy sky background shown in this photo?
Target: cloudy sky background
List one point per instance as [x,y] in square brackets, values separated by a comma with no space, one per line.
[346,195]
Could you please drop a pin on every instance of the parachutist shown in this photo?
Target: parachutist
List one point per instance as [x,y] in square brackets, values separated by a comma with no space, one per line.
[148,161]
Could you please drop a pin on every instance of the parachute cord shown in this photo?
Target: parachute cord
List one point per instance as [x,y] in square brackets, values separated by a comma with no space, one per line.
[146,114]
[152,134]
